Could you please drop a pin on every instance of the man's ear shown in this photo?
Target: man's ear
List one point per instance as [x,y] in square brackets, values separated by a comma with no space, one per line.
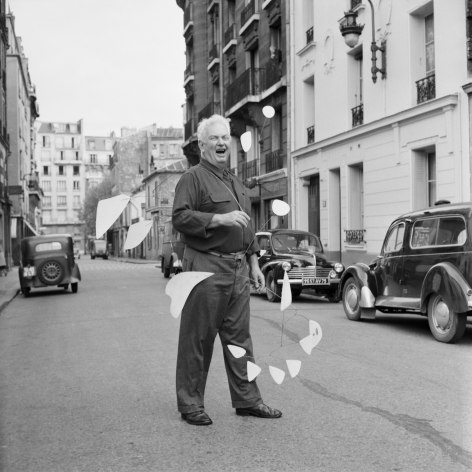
[200,145]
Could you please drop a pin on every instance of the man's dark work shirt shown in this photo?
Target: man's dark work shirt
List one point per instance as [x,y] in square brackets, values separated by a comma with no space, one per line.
[205,190]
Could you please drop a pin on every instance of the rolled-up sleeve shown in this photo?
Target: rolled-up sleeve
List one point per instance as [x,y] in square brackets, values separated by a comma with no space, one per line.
[185,216]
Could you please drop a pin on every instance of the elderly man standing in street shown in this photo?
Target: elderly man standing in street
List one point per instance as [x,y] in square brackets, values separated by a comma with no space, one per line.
[211,211]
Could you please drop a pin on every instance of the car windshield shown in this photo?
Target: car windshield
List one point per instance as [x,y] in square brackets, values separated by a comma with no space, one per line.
[296,242]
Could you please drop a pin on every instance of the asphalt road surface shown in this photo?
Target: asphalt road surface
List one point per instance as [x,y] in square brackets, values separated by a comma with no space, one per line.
[87,384]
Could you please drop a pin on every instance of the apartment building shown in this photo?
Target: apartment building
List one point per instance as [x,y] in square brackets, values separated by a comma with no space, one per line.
[236,65]
[22,111]
[374,139]
[5,239]
[59,155]
[98,154]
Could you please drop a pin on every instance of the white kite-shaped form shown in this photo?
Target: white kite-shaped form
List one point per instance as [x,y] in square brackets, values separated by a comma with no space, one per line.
[179,288]
[311,341]
[293,367]
[237,351]
[108,211]
[268,111]
[280,208]
[136,233]
[246,141]
[253,370]
[286,299]
[277,374]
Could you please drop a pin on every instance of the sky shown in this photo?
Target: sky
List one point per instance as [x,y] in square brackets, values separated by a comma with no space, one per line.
[112,63]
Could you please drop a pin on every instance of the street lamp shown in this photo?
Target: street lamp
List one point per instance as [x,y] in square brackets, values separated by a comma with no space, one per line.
[351,31]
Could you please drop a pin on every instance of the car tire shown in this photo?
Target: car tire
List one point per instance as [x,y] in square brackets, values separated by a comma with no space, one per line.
[446,325]
[167,269]
[273,289]
[51,272]
[351,299]
[26,291]
[92,257]
[74,287]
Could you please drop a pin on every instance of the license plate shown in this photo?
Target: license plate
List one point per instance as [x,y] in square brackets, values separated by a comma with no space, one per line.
[315,281]
[29,271]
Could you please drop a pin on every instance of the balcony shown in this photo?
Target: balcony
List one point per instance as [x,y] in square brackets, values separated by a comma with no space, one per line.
[213,6]
[270,74]
[354,236]
[250,26]
[355,3]
[357,115]
[229,49]
[249,169]
[309,35]
[229,36]
[274,160]
[188,24]
[189,89]
[274,13]
[188,73]
[189,129]
[426,89]
[208,110]
[214,64]
[248,83]
[310,134]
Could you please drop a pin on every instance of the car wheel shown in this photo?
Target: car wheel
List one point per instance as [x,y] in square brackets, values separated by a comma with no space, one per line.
[273,289]
[351,299]
[51,272]
[26,291]
[167,269]
[74,286]
[446,325]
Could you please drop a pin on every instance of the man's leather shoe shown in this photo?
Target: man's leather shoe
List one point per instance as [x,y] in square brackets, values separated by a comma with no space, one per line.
[261,411]
[199,418]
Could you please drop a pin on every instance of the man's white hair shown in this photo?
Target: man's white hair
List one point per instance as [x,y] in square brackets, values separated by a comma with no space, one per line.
[206,122]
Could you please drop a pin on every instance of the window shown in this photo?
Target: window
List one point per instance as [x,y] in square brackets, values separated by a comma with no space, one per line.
[445,231]
[47,201]
[76,185]
[429,44]
[276,130]
[60,170]
[356,196]
[162,149]
[61,155]
[45,170]
[424,176]
[61,185]
[356,65]
[394,241]
[46,185]
[72,142]
[76,155]
[61,200]
[91,144]
[76,201]
[93,158]
[46,141]
[76,170]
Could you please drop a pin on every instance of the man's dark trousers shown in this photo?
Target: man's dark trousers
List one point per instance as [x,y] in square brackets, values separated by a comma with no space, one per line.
[218,305]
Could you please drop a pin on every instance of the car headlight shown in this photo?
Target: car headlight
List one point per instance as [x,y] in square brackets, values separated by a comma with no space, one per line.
[338,267]
[286,266]
[332,274]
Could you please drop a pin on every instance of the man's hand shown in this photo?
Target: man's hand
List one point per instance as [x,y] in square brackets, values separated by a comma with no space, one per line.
[255,274]
[233,218]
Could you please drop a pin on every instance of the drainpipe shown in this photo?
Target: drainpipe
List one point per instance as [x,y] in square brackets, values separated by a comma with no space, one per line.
[468,90]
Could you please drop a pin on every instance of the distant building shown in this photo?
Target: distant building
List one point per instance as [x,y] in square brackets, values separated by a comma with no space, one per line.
[159,193]
[136,154]
[5,237]
[60,159]
[97,159]
[22,111]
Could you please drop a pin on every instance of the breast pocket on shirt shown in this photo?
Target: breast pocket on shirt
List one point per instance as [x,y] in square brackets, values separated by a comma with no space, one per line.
[217,202]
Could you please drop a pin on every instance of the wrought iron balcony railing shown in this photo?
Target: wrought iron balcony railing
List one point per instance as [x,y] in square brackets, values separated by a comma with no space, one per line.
[230,34]
[274,160]
[309,35]
[249,169]
[248,83]
[357,115]
[270,74]
[310,134]
[426,89]
[208,110]
[213,53]
[355,236]
[248,11]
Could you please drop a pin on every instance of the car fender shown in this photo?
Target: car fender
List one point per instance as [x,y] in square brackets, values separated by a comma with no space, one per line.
[362,274]
[271,265]
[446,280]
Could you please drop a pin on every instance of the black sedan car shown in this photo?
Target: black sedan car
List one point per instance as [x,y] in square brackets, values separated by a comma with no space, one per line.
[424,268]
[300,254]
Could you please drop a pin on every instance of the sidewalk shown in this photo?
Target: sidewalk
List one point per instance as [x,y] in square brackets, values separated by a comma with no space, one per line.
[9,287]
[135,261]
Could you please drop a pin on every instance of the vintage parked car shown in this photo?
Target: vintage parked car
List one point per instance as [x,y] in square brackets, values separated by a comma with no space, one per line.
[172,251]
[99,248]
[48,261]
[301,255]
[424,267]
